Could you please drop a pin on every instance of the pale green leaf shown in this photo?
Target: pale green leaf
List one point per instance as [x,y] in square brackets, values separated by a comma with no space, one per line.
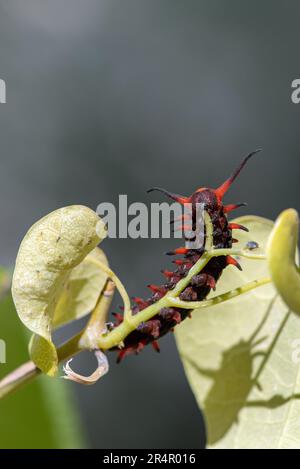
[49,252]
[77,299]
[281,249]
[80,294]
[242,361]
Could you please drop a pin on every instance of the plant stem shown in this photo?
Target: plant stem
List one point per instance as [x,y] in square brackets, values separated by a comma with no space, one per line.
[17,378]
[118,283]
[220,298]
[28,371]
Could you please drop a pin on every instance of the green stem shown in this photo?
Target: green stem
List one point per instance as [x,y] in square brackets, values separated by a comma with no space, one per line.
[98,319]
[209,243]
[220,298]
[118,283]
[28,371]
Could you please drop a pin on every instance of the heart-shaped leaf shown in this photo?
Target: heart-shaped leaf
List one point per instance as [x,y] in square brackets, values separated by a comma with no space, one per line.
[49,252]
[241,358]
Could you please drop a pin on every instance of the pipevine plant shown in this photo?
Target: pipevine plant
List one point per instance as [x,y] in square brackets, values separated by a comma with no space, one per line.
[61,275]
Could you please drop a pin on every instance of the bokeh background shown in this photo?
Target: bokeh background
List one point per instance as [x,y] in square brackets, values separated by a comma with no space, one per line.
[111,97]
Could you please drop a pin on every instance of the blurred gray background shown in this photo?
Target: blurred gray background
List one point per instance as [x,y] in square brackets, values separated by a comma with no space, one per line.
[112,97]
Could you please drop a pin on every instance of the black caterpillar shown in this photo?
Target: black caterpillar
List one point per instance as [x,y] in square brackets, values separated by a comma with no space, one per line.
[201,284]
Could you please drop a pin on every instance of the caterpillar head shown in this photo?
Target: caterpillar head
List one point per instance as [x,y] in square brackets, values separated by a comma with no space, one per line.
[205,196]
[211,198]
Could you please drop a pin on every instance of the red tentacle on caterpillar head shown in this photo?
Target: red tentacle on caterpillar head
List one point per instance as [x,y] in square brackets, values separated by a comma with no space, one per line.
[200,285]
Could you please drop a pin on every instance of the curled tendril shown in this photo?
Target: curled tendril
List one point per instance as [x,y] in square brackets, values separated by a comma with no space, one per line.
[100,371]
[281,255]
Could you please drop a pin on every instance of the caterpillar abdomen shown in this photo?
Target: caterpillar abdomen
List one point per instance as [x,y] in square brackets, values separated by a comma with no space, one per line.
[201,284]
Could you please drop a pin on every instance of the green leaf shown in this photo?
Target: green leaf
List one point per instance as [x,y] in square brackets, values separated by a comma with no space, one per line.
[81,292]
[242,359]
[42,414]
[281,249]
[49,252]
[77,299]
